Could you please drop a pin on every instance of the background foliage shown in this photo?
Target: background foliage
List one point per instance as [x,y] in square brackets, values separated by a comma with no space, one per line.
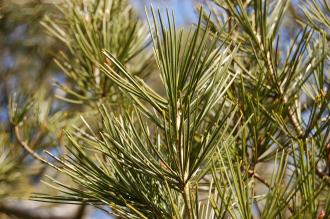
[227,117]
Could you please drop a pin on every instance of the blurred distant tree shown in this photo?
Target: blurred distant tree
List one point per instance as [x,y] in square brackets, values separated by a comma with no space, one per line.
[227,118]
[27,72]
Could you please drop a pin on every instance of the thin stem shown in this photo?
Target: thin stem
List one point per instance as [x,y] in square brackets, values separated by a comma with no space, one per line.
[263,181]
[186,197]
[27,147]
[258,177]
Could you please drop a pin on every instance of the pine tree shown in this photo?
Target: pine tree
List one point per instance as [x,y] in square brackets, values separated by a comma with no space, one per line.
[225,118]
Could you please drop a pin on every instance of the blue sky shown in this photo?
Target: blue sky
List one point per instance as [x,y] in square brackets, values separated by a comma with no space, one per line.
[183,9]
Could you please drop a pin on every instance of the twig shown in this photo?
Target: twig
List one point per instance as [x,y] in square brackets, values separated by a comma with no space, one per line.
[258,177]
[30,151]
[263,181]
[27,148]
